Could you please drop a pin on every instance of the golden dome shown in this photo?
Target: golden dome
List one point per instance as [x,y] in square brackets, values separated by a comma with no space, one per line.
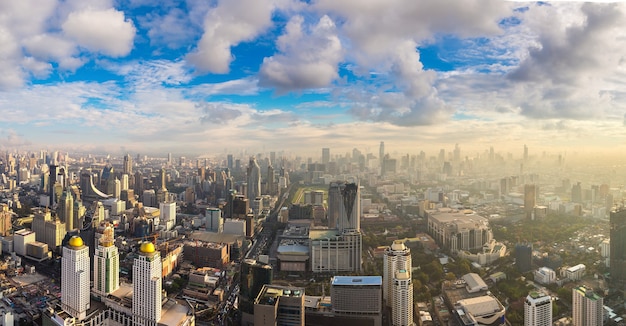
[76,241]
[147,247]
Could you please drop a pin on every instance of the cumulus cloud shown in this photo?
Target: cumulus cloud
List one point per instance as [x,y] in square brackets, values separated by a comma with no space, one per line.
[217,113]
[227,25]
[105,31]
[307,59]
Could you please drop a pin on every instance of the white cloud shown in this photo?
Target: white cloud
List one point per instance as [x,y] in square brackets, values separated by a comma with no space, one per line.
[306,59]
[227,25]
[105,31]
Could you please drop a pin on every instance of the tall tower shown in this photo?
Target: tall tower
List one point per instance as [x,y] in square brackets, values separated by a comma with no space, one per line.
[147,294]
[106,268]
[525,152]
[617,253]
[397,257]
[325,155]
[402,302]
[538,309]
[586,307]
[344,206]
[75,278]
[128,164]
[254,179]
[65,210]
[162,193]
[530,199]
[271,180]
[381,157]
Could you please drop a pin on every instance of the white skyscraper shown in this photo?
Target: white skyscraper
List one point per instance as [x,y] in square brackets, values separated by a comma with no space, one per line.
[538,309]
[168,214]
[397,257]
[147,285]
[106,267]
[402,299]
[75,278]
[586,307]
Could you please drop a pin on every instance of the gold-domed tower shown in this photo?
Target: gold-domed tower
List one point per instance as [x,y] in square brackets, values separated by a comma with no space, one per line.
[75,278]
[147,293]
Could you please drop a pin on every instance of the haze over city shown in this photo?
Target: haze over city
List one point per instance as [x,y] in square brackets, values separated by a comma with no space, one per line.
[197,77]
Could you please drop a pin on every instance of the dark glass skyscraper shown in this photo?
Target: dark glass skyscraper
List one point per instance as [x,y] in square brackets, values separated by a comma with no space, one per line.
[618,247]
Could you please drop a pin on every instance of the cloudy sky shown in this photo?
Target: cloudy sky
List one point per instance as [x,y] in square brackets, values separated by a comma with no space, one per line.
[200,76]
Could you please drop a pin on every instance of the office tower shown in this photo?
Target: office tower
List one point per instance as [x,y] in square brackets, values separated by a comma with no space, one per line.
[523,257]
[230,161]
[52,180]
[79,212]
[65,210]
[75,278]
[125,182]
[397,257]
[147,285]
[254,275]
[213,220]
[344,206]
[138,183]
[253,175]
[128,164]
[169,159]
[271,181]
[457,153]
[538,309]
[162,193]
[525,153]
[530,200]
[586,307]
[167,215]
[357,296]
[402,299]
[106,267]
[325,155]
[617,224]
[577,193]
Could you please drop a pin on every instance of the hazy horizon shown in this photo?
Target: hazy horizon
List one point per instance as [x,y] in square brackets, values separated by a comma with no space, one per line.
[199,77]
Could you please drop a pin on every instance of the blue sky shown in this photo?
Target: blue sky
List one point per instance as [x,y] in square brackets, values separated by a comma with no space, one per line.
[195,76]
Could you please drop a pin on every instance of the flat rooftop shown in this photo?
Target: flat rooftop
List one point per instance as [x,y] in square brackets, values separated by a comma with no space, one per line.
[357,280]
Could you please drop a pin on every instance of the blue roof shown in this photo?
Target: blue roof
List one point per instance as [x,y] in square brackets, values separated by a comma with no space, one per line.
[357,280]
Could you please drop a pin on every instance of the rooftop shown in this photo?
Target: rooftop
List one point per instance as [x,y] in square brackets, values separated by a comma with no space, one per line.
[357,280]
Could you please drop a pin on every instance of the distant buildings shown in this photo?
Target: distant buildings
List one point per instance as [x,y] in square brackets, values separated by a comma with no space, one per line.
[530,200]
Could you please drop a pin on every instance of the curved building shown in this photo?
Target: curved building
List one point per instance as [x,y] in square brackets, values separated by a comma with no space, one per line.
[254,180]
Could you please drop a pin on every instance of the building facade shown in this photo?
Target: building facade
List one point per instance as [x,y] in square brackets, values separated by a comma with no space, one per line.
[538,309]
[147,285]
[587,307]
[106,268]
[75,278]
[397,257]
[402,299]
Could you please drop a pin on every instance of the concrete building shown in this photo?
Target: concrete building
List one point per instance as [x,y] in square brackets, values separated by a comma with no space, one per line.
[167,215]
[335,252]
[458,230]
[75,278]
[402,299]
[21,239]
[279,305]
[575,273]
[397,257]
[538,309]
[368,290]
[545,275]
[586,307]
[106,268]
[206,254]
[213,220]
[344,205]
[65,210]
[147,293]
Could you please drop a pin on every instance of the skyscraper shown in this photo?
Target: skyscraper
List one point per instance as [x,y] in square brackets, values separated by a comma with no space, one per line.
[162,193]
[344,205]
[381,157]
[65,210]
[271,180]
[106,266]
[523,257]
[325,155]
[397,257]
[538,309]
[128,164]
[586,307]
[402,299]
[254,180]
[75,278]
[147,285]
[617,223]
[525,152]
[530,199]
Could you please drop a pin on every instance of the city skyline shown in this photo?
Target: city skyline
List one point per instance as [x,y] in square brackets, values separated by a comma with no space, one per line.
[198,77]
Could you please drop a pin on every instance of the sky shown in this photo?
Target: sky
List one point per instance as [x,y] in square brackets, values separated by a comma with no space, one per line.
[200,76]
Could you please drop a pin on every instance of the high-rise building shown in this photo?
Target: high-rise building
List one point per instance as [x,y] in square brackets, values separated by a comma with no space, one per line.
[254,275]
[402,299]
[230,162]
[397,257]
[5,220]
[279,305]
[147,285]
[65,210]
[75,278]
[344,206]
[162,194]
[523,257]
[525,152]
[271,181]
[167,214]
[617,252]
[538,309]
[253,175]
[530,199]
[213,220]
[128,164]
[345,289]
[106,267]
[577,193]
[587,307]
[325,155]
